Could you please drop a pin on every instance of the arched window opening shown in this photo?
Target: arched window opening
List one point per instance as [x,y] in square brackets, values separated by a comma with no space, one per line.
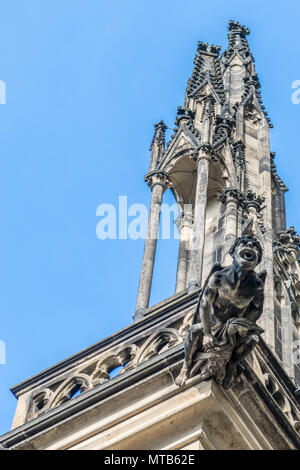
[165,266]
[214,222]
[115,371]
[76,391]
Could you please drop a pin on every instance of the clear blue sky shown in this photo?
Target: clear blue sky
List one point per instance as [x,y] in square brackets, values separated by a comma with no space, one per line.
[86,80]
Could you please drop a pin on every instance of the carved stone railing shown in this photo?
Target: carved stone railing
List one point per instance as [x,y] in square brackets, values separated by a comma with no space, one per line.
[108,359]
[164,329]
[266,372]
[97,371]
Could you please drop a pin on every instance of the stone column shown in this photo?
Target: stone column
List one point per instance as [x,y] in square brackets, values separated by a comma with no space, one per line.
[185,227]
[287,337]
[267,321]
[240,123]
[231,198]
[157,180]
[203,157]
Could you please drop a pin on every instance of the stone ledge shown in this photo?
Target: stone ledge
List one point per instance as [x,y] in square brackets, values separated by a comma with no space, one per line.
[84,401]
[156,315]
[157,375]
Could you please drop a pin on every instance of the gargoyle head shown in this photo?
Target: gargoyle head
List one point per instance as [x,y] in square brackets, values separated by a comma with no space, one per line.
[247,251]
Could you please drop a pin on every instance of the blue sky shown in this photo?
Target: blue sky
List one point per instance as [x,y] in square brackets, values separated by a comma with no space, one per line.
[86,81]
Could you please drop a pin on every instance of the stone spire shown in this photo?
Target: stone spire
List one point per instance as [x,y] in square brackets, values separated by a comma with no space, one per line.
[220,146]
[206,70]
[247,81]
[234,251]
[157,146]
[237,40]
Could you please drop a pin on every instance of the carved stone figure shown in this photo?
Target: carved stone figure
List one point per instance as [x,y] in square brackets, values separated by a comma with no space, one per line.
[286,264]
[224,327]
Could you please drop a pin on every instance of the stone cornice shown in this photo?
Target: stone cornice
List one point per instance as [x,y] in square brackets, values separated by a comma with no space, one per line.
[169,362]
[203,152]
[232,195]
[91,398]
[184,115]
[153,316]
[164,313]
[157,177]
[253,200]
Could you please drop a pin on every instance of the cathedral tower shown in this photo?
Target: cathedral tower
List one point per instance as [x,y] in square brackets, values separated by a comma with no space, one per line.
[220,169]
[219,166]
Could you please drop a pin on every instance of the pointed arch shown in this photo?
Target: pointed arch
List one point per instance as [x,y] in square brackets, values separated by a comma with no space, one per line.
[67,390]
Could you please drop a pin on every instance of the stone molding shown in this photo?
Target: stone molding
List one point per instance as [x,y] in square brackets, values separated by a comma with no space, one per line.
[232,195]
[203,152]
[263,383]
[143,348]
[184,115]
[157,177]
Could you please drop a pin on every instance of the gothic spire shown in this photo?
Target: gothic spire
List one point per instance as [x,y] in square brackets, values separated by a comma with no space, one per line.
[157,146]
[237,40]
[159,134]
[238,46]
[206,70]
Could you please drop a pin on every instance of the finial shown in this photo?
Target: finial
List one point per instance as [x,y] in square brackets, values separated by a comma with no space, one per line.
[184,114]
[236,27]
[159,134]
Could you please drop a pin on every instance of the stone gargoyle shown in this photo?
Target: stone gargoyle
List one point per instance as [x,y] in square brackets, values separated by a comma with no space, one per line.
[224,329]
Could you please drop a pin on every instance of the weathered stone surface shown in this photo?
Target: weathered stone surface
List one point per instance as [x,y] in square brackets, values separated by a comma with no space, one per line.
[217,161]
[224,329]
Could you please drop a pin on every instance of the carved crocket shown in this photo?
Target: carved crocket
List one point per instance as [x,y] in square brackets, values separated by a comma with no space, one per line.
[224,327]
